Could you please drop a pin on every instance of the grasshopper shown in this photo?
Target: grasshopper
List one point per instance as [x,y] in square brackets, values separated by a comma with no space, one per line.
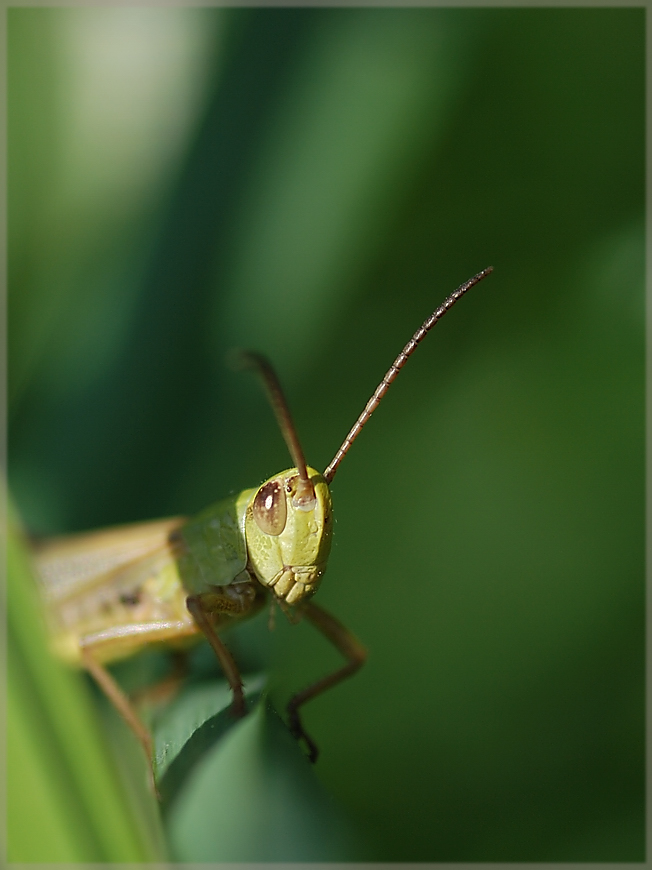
[109,594]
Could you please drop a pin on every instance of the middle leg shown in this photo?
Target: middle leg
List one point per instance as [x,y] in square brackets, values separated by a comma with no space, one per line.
[237,599]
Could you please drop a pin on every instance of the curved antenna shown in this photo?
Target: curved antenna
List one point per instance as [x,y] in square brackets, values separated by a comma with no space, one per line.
[249,359]
[395,368]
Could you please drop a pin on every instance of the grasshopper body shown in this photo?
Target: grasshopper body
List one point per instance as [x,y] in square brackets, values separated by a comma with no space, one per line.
[109,594]
[112,591]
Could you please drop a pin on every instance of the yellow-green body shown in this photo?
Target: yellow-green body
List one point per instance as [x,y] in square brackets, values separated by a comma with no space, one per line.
[116,591]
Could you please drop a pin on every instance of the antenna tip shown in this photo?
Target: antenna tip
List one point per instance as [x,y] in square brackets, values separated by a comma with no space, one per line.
[473,281]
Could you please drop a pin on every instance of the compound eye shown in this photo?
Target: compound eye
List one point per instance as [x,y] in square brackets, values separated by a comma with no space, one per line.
[269,508]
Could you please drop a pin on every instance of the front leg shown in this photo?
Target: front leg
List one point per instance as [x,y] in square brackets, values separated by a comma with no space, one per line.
[237,600]
[351,649]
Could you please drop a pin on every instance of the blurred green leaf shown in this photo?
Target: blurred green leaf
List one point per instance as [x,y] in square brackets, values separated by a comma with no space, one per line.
[57,760]
[369,96]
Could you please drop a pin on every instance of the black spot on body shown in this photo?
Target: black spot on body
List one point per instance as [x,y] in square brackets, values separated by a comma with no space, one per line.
[130,599]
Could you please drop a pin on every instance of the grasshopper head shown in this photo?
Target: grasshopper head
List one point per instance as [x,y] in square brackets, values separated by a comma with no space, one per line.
[288,529]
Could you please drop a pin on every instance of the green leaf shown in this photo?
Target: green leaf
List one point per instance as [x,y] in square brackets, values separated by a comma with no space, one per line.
[58,766]
[196,719]
[255,798]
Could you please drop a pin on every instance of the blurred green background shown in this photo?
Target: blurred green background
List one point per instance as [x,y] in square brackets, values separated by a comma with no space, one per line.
[312,183]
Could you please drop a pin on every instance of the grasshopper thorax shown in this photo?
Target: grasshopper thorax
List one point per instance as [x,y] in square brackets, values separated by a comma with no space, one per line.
[288,533]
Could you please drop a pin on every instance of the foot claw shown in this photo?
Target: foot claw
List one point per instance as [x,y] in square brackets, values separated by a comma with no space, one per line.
[296,729]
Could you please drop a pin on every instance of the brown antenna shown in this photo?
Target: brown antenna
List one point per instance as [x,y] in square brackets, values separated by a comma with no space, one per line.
[248,359]
[395,368]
